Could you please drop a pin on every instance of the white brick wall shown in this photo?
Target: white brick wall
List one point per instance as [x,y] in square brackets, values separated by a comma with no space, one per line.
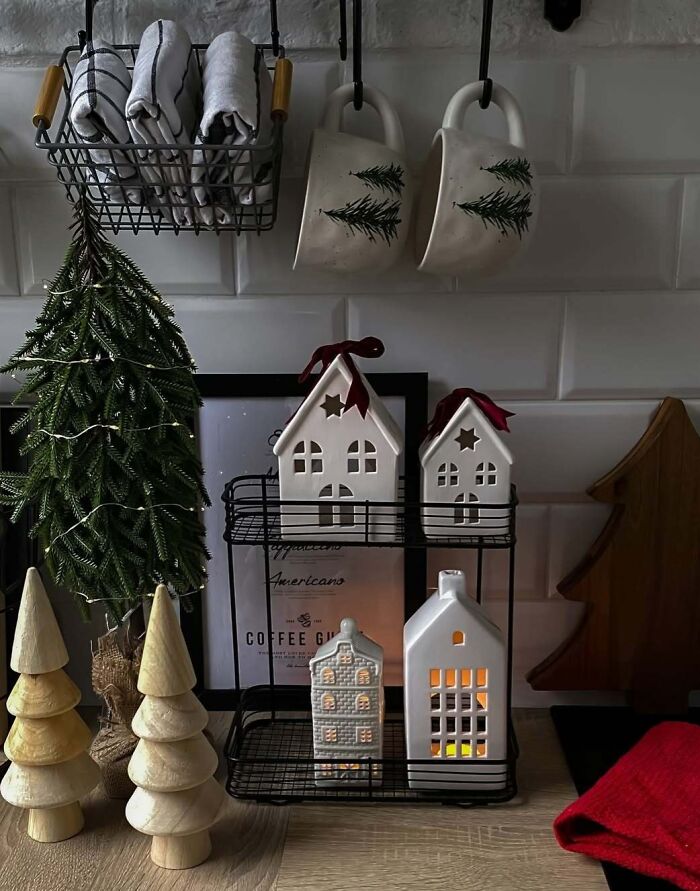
[580,339]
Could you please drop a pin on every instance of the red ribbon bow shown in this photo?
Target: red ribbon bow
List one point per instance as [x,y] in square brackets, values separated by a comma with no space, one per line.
[446,408]
[367,348]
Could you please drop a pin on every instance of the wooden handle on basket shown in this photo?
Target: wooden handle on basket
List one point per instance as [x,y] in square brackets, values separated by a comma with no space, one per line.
[282,89]
[47,99]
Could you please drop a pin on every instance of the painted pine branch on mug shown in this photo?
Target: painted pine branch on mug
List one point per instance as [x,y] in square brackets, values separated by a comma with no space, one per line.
[512,170]
[387,177]
[370,217]
[507,211]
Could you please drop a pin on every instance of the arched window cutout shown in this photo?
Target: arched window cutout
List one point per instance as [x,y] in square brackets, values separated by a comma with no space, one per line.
[458,638]
[328,702]
[346,512]
[362,460]
[345,655]
[328,676]
[308,458]
[362,703]
[448,475]
[363,676]
[486,471]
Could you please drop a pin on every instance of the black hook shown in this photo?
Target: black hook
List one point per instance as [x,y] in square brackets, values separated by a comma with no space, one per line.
[86,35]
[358,97]
[485,100]
[343,40]
[274,30]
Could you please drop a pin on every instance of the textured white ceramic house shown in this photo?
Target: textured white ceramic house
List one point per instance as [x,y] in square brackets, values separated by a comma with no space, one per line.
[454,692]
[466,467]
[347,703]
[327,454]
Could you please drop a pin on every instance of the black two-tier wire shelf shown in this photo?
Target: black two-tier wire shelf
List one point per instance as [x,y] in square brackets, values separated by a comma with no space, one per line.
[269,748]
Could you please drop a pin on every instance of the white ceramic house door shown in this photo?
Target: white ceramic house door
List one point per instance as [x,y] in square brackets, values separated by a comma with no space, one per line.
[455,693]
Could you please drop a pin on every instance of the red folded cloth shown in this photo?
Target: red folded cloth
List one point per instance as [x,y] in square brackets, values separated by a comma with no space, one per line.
[644,814]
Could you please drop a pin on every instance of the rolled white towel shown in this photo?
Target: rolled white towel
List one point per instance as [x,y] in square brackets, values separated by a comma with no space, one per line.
[162,109]
[237,102]
[99,90]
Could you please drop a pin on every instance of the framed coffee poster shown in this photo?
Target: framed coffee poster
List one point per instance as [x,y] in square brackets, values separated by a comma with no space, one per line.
[312,586]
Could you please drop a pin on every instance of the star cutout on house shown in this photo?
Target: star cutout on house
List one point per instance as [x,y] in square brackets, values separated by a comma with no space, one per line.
[467,439]
[333,405]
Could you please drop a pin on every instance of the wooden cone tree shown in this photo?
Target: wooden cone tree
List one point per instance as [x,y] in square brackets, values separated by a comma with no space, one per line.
[640,580]
[47,743]
[173,766]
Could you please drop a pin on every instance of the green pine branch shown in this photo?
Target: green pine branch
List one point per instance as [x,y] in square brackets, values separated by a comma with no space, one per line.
[512,170]
[104,318]
[372,218]
[387,177]
[506,211]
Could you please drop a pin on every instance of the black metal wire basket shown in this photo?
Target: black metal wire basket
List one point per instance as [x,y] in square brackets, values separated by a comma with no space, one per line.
[269,750]
[241,181]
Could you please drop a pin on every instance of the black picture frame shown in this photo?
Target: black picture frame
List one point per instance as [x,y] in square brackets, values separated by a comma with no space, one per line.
[412,387]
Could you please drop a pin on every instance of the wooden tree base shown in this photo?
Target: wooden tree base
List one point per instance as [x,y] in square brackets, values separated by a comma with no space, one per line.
[55,824]
[180,852]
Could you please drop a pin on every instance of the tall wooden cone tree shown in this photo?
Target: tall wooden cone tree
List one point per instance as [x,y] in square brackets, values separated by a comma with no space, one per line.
[47,743]
[177,799]
[640,580]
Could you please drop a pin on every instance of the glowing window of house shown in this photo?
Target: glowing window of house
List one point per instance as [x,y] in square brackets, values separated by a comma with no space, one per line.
[434,677]
[448,475]
[482,677]
[365,734]
[308,457]
[450,677]
[345,655]
[325,770]
[466,677]
[363,676]
[330,734]
[328,702]
[328,676]
[458,638]
[362,703]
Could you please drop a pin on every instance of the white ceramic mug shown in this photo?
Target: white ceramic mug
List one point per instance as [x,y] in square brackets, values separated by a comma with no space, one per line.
[478,202]
[358,192]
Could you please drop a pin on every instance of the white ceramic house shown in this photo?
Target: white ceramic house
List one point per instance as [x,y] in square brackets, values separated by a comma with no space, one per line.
[455,692]
[347,704]
[466,467]
[337,458]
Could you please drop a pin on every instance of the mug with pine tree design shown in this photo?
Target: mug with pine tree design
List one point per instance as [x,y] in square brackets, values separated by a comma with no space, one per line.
[478,201]
[358,192]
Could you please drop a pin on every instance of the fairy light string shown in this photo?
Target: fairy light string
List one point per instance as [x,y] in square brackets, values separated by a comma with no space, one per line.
[141,507]
[122,430]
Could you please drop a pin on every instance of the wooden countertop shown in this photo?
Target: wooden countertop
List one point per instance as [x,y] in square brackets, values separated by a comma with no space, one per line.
[332,846]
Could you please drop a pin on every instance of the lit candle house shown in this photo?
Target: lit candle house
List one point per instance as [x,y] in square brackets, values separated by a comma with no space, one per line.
[455,692]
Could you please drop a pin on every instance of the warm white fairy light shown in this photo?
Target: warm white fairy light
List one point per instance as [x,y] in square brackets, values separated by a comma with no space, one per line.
[142,507]
[91,600]
[109,358]
[111,427]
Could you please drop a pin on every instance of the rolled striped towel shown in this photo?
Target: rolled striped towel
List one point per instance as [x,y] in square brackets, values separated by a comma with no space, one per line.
[162,109]
[237,103]
[100,87]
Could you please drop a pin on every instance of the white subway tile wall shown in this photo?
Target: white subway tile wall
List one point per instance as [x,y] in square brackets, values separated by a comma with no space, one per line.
[581,337]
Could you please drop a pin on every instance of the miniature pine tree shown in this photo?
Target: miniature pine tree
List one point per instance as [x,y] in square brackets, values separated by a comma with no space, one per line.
[505,210]
[113,472]
[387,177]
[370,217]
[512,170]
[47,742]
[177,799]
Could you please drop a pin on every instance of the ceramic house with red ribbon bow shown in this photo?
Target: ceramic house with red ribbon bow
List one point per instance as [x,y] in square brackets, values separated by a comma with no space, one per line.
[466,467]
[340,450]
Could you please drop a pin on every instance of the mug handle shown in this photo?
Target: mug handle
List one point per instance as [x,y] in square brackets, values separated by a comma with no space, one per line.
[463,98]
[338,99]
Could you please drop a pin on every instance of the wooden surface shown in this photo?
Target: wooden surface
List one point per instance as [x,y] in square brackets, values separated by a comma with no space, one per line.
[641,579]
[334,847]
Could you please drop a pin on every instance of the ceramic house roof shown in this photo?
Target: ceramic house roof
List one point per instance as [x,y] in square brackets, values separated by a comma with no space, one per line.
[349,632]
[470,412]
[379,413]
[447,601]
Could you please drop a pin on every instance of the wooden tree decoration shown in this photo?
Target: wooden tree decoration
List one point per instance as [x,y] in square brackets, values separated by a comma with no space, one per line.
[177,799]
[47,743]
[641,579]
